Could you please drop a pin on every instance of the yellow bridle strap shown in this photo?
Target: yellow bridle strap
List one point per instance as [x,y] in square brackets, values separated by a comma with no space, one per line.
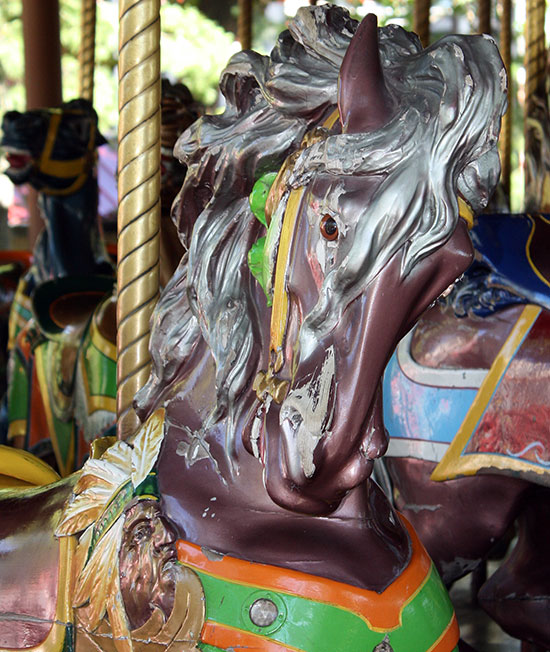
[280,298]
[63,169]
[330,121]
[465,212]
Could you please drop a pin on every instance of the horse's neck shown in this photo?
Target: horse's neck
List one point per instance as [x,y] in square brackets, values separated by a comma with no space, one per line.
[71,243]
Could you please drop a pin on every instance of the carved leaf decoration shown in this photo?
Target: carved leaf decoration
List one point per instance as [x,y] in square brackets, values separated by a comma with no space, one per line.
[147,446]
[114,465]
[81,555]
[98,482]
[83,510]
[104,473]
[118,620]
[88,480]
[99,578]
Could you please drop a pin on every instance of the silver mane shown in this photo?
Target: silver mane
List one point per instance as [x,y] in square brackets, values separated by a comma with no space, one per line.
[271,103]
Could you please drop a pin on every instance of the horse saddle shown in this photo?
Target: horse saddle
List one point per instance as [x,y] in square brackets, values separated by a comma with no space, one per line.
[30,571]
[515,249]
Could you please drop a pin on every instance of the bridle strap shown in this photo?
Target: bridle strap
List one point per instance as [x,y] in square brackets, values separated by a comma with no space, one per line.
[279,311]
[465,212]
[76,167]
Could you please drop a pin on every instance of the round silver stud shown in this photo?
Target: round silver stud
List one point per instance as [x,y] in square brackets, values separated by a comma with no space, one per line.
[263,612]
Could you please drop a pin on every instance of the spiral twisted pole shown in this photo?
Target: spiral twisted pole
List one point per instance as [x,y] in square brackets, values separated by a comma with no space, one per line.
[421,21]
[244,24]
[535,50]
[86,55]
[505,143]
[139,203]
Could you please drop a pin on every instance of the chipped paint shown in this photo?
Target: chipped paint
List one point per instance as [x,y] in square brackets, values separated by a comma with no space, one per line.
[458,51]
[195,450]
[257,426]
[306,411]
[421,508]
[212,555]
[503,80]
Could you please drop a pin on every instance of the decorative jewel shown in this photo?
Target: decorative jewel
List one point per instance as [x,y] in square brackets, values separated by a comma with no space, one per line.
[263,612]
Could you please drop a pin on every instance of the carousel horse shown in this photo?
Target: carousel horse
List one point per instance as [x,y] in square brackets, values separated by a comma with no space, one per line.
[320,217]
[467,410]
[68,347]
[54,150]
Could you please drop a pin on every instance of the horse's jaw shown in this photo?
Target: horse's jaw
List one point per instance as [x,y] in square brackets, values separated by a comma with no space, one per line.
[320,441]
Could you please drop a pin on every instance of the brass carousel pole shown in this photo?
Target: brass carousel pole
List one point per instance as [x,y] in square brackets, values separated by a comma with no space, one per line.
[139,204]
[535,50]
[421,21]
[505,143]
[86,55]
[244,24]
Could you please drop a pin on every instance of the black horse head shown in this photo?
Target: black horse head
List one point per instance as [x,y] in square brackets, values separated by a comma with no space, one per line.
[52,149]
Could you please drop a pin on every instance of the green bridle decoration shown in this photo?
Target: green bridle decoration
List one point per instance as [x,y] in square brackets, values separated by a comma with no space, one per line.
[257,260]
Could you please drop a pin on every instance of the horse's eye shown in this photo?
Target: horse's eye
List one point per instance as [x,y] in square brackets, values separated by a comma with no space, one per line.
[329,228]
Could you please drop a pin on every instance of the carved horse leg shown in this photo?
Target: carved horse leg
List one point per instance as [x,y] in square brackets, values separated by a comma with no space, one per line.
[456,536]
[516,595]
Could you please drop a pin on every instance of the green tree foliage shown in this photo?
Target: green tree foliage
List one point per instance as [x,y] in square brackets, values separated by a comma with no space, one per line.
[12,92]
[194,49]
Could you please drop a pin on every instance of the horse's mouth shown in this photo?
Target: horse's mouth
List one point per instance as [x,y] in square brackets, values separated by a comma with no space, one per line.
[19,160]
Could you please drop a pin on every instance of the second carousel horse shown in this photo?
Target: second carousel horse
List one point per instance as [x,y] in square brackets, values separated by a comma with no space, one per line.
[466,401]
[63,375]
[54,150]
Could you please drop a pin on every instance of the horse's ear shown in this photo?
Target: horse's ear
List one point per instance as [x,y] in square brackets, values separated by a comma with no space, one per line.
[363,99]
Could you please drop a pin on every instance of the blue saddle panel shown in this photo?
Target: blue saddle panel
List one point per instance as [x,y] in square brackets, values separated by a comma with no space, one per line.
[516,249]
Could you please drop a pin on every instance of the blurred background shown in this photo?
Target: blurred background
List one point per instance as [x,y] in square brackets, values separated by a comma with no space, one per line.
[198,37]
